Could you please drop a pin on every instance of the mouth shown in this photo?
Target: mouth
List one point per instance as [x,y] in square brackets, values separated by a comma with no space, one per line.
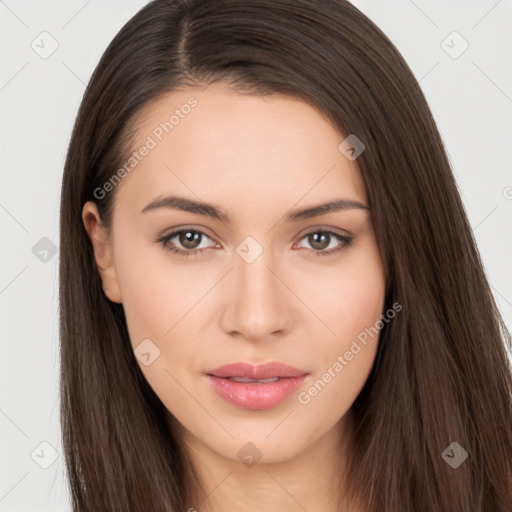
[253,387]
[246,380]
[272,370]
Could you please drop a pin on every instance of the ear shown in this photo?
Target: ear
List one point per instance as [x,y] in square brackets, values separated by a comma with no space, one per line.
[103,253]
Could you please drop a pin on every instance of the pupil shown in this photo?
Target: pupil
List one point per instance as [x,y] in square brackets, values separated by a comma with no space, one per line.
[189,238]
[319,245]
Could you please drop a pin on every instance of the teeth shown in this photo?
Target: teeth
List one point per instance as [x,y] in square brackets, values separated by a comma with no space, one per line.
[263,381]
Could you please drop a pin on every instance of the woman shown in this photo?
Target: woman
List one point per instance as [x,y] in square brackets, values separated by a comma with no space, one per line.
[270,295]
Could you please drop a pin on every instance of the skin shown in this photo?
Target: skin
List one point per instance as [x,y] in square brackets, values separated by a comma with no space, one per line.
[257,158]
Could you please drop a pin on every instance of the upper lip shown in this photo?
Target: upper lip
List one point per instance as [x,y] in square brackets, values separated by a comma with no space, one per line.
[262,371]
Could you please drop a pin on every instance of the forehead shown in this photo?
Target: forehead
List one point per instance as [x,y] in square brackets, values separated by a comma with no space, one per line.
[214,142]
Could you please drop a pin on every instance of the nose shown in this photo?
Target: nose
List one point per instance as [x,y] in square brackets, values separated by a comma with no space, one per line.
[259,305]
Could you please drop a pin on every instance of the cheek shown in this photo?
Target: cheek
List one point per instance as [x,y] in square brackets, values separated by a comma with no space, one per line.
[348,298]
[156,293]
[350,305]
[158,300]
[164,303]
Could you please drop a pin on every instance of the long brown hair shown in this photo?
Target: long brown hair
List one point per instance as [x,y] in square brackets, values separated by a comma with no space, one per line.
[441,375]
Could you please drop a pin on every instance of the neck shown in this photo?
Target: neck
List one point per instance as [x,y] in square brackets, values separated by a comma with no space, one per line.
[313,479]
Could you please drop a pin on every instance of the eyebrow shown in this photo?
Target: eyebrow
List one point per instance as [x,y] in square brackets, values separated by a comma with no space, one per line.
[215,212]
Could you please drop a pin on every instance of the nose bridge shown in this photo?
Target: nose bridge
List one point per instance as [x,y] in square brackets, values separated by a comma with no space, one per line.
[256,279]
[251,266]
[257,307]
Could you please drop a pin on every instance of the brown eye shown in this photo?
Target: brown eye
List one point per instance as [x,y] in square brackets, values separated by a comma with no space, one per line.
[189,239]
[320,240]
[185,242]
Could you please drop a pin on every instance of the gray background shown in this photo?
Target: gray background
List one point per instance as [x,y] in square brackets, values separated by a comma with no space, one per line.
[470,96]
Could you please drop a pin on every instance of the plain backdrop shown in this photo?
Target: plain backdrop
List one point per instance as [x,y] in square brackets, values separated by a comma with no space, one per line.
[469,92]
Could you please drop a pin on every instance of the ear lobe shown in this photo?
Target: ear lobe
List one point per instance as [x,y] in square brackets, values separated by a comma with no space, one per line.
[103,253]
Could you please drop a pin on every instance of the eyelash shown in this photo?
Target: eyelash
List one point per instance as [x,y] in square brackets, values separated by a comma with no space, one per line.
[165,241]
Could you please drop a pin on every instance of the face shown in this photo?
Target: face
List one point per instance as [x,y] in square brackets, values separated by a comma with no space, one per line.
[248,279]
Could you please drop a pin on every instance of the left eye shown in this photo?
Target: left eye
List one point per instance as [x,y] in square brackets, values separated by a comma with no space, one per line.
[320,240]
[190,241]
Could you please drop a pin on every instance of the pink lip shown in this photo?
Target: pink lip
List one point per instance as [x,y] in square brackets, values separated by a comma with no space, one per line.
[256,395]
[262,371]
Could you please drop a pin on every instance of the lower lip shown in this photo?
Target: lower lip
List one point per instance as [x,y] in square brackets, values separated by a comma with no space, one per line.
[254,395]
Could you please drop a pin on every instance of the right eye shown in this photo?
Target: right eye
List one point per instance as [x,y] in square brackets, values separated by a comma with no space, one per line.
[187,238]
